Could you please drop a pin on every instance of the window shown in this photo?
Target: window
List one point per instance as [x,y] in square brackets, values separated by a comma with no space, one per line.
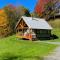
[43,31]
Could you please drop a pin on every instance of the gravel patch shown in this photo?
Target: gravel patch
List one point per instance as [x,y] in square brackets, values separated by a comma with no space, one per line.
[54,56]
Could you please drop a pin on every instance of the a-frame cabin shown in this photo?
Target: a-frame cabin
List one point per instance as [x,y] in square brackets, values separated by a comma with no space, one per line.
[33,28]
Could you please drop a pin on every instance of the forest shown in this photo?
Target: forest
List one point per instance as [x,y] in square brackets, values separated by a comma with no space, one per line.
[10,15]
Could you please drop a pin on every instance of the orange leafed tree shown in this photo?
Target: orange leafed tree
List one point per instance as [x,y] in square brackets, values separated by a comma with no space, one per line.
[40,6]
[4,25]
[44,6]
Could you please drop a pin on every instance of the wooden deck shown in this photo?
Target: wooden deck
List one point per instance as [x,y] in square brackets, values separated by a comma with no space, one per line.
[28,36]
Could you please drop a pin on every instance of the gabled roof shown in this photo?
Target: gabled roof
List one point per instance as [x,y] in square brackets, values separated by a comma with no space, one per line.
[35,23]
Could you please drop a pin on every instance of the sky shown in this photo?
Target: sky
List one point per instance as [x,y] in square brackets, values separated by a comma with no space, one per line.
[29,4]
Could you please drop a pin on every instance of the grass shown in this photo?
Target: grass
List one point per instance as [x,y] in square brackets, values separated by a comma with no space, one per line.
[56,31]
[56,28]
[14,49]
[55,23]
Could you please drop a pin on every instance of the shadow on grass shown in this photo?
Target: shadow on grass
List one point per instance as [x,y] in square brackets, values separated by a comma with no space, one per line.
[9,56]
[54,36]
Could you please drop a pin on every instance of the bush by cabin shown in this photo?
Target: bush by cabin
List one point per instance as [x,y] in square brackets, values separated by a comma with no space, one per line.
[32,28]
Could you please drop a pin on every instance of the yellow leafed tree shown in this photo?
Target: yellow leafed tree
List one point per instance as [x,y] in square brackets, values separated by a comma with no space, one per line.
[4,24]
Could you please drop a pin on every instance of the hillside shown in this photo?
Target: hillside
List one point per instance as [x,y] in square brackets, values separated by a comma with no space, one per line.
[55,23]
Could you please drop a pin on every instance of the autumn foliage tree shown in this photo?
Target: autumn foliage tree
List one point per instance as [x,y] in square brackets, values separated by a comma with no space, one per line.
[22,11]
[45,8]
[9,16]
[4,25]
[10,10]
[50,9]
[14,14]
[39,8]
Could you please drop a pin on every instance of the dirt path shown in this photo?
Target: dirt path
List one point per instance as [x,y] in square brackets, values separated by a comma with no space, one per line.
[55,55]
[56,43]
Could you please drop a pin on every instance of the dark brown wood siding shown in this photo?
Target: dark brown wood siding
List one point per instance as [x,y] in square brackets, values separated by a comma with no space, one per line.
[42,33]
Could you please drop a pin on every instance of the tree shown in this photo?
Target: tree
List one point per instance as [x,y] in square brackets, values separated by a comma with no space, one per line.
[4,25]
[50,9]
[22,11]
[10,10]
[14,14]
[39,8]
[9,16]
[46,8]
[34,14]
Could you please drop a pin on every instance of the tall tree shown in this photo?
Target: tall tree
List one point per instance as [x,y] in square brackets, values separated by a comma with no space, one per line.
[46,8]
[10,10]
[22,11]
[4,24]
[14,14]
[39,8]
[50,8]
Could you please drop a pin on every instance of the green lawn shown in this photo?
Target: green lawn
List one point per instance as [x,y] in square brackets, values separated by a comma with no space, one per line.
[56,28]
[13,49]
[56,31]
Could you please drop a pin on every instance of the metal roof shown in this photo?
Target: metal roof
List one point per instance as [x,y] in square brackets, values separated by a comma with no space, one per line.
[36,23]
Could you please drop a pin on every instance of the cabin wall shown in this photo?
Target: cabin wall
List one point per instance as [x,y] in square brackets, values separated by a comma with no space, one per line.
[42,33]
[22,26]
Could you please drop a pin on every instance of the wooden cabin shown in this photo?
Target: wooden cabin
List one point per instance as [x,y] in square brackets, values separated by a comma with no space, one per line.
[32,28]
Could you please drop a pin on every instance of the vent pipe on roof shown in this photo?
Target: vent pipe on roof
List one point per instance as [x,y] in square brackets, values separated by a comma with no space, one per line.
[34,18]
